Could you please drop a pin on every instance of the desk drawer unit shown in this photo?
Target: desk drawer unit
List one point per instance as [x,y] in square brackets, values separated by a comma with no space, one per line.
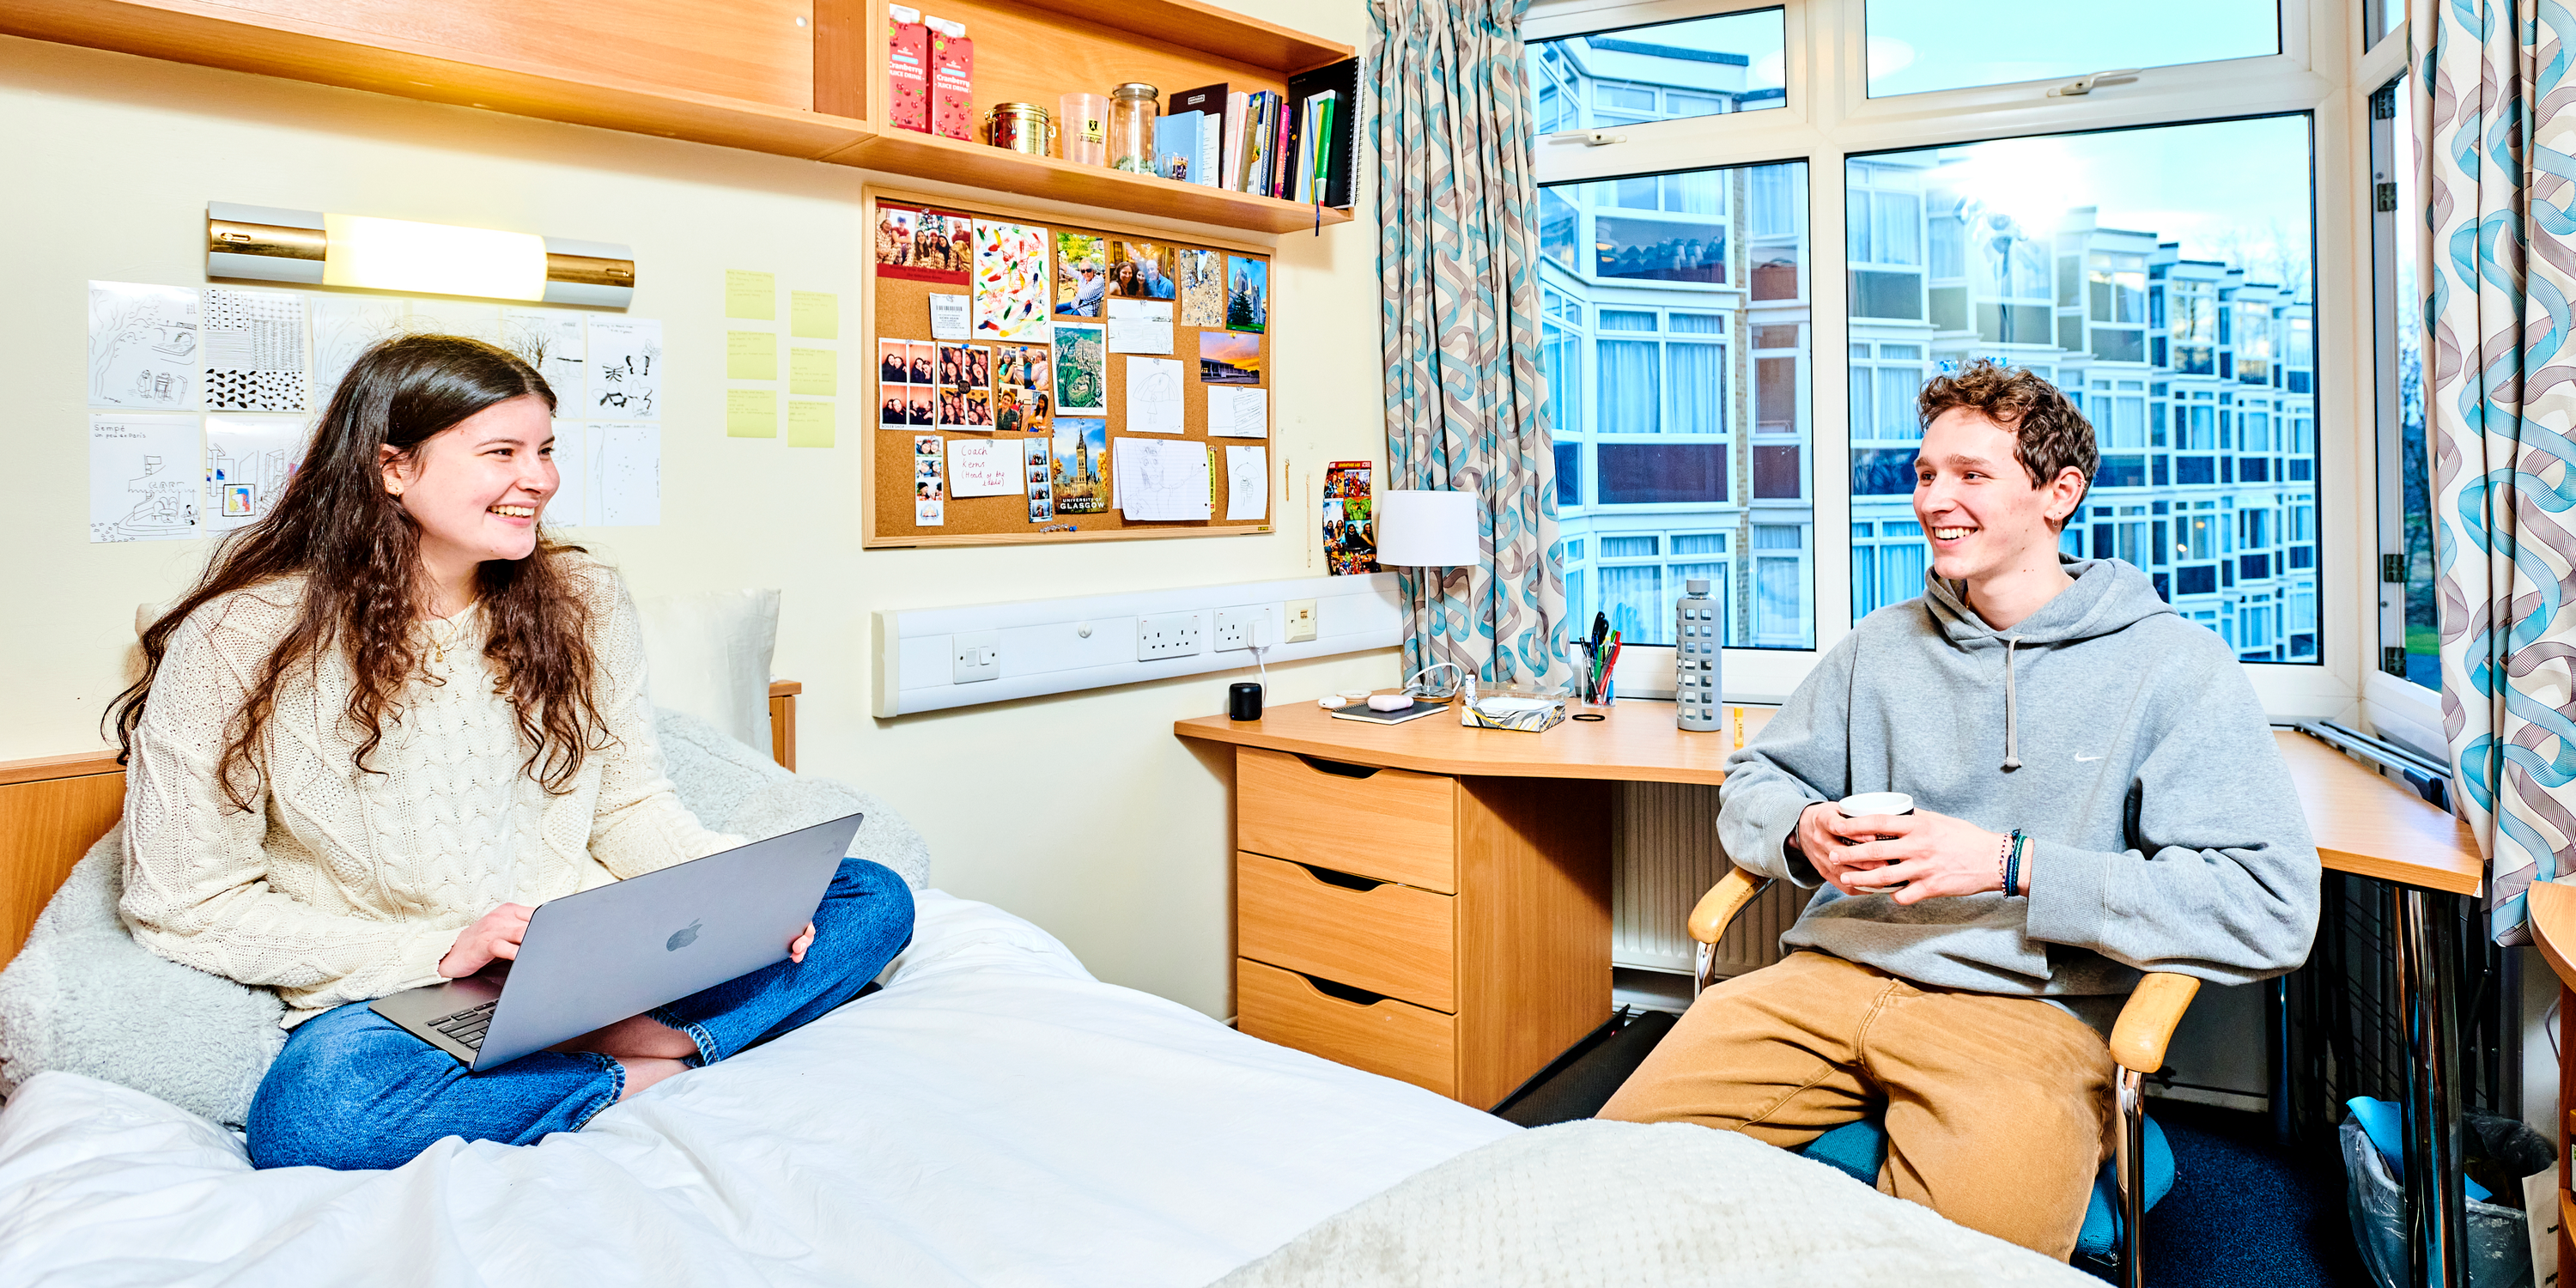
[1390,824]
[1377,935]
[1383,1036]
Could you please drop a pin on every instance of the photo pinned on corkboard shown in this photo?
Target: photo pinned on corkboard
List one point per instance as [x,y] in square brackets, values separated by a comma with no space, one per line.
[1081,274]
[1081,370]
[1202,274]
[1247,294]
[923,245]
[1140,270]
[1081,478]
[1229,358]
[1022,400]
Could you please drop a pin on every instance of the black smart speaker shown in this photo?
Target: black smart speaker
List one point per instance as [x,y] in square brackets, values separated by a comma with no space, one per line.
[1243,701]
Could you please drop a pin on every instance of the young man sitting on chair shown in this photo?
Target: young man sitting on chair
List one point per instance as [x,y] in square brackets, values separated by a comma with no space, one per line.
[2154,822]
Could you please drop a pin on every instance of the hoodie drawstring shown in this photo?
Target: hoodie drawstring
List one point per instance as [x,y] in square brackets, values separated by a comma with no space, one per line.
[2012,713]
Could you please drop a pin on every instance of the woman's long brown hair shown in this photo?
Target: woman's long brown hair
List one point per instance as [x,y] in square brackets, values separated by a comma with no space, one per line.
[358,552]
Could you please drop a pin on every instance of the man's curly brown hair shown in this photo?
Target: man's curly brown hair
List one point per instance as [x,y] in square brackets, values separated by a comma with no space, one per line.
[2049,432]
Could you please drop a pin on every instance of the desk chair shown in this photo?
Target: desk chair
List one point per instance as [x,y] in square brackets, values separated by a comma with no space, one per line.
[2141,1167]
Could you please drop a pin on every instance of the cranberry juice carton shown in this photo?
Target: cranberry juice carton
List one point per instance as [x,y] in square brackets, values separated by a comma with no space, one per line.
[907,68]
[952,79]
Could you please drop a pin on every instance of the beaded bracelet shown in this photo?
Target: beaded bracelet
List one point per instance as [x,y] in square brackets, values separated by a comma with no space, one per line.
[2003,861]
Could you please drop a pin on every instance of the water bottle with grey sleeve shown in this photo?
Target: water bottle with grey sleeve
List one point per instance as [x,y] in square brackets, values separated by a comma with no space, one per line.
[1697,636]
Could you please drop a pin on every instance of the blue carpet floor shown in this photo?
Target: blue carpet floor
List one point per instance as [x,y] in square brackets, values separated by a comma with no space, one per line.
[2244,1212]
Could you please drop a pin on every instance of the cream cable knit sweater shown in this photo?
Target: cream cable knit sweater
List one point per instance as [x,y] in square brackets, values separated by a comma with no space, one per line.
[341,885]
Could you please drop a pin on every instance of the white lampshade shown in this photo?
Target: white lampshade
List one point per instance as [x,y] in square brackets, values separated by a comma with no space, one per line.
[1427,529]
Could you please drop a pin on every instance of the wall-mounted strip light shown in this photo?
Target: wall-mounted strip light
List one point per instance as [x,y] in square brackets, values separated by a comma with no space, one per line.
[266,244]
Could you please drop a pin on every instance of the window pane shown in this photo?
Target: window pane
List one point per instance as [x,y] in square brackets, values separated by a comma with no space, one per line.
[1920,45]
[2215,216]
[1663,72]
[1690,440]
[1651,474]
[2407,629]
[1630,397]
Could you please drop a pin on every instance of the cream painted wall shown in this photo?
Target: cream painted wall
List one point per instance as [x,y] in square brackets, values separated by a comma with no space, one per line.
[1080,812]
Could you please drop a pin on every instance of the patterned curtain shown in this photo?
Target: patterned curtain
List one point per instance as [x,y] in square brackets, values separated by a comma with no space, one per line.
[2501,398]
[1457,262]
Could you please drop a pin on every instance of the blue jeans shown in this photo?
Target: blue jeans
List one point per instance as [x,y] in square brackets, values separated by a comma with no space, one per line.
[353,1091]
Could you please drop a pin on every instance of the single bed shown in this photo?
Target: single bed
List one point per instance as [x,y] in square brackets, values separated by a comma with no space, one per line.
[994,1116]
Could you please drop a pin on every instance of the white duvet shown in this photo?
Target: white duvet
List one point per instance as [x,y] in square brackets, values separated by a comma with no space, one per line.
[995,1116]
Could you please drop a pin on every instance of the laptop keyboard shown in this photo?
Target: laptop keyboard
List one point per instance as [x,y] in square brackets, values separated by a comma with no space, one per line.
[467,1026]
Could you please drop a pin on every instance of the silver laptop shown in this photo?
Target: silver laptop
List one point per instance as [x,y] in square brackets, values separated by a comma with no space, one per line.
[591,959]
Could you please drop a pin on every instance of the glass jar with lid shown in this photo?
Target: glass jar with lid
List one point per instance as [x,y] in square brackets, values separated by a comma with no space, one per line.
[1132,108]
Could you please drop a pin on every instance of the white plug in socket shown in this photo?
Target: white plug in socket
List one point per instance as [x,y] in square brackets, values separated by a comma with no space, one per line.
[1236,628]
[979,657]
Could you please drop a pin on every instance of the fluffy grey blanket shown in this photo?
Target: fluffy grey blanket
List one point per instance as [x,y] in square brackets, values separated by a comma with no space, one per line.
[83,997]
[1589,1203]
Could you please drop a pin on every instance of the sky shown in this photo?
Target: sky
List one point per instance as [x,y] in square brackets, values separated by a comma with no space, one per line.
[1918,45]
[2237,191]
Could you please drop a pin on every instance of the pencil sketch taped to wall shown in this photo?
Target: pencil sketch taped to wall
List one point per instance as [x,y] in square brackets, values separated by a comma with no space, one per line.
[142,345]
[625,370]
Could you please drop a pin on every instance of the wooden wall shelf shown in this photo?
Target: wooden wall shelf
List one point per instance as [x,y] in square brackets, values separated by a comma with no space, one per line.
[737,75]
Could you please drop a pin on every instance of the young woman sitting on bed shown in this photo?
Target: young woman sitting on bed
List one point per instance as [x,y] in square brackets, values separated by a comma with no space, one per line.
[390,718]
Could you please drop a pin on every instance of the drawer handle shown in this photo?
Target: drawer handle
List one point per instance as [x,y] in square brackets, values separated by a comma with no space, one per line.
[1338,768]
[1343,879]
[1342,992]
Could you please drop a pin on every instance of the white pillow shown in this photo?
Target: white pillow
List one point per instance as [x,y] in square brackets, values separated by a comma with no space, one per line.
[707,655]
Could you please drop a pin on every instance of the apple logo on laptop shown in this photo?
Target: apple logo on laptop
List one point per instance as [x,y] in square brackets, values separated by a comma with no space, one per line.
[684,936]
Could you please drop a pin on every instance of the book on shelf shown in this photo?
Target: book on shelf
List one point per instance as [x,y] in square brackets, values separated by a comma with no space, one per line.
[1327,174]
[1231,177]
[1176,147]
[1207,103]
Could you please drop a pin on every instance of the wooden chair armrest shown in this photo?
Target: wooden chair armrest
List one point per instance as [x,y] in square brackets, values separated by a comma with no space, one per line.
[2147,1021]
[1723,901]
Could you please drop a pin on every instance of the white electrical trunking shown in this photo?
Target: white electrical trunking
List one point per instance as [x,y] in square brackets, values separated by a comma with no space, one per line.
[930,659]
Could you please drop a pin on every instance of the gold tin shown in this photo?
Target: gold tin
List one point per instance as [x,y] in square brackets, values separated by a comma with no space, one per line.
[1020,127]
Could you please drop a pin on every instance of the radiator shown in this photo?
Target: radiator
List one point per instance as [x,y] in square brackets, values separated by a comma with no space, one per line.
[1664,856]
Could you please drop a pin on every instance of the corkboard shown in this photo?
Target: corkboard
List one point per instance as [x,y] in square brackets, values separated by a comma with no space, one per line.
[898,308]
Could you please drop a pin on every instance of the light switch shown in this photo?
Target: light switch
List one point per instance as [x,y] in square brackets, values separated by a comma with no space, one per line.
[979,657]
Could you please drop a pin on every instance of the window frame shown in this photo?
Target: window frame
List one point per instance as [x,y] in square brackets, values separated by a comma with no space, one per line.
[1826,118]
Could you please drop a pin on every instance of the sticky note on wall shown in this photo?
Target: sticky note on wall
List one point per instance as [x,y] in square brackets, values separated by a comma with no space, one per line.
[815,315]
[751,355]
[750,295]
[751,413]
[810,424]
[814,371]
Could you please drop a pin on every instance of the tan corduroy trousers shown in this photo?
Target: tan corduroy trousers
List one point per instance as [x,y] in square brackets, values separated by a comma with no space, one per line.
[1997,1108]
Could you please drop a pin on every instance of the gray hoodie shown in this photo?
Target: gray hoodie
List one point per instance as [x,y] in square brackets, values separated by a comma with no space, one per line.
[2124,740]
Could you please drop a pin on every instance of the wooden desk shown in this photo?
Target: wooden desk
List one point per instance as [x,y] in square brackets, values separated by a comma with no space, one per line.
[2553,927]
[2363,824]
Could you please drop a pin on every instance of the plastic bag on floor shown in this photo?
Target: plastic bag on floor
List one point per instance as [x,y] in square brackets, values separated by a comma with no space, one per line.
[2499,1253]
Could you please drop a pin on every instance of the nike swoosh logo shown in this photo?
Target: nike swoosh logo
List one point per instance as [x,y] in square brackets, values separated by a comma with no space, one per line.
[2088,757]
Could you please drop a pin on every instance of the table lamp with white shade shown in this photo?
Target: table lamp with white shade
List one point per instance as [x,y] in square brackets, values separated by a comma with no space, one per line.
[1429,530]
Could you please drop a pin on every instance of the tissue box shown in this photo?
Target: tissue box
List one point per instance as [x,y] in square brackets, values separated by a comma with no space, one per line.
[1526,712]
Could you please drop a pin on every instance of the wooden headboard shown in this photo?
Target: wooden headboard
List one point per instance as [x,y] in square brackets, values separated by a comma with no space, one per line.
[53,809]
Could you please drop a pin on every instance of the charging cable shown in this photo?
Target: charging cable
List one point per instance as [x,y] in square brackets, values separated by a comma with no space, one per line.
[1260,661]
